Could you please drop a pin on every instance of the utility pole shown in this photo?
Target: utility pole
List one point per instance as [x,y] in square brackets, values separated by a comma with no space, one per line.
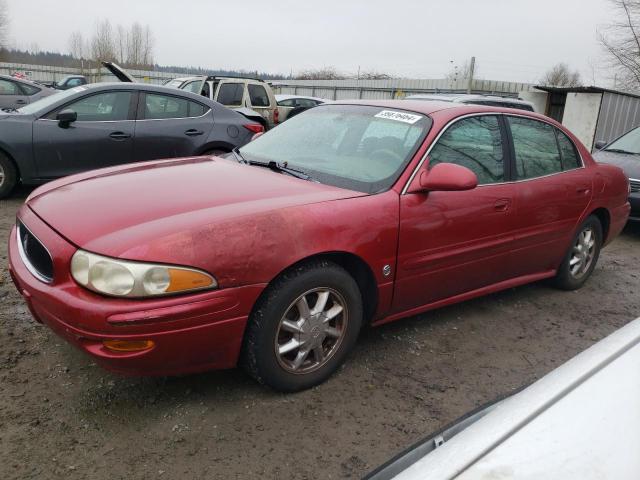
[472,67]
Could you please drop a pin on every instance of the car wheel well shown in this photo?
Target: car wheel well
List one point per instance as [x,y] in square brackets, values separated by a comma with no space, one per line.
[357,268]
[215,146]
[11,159]
[603,215]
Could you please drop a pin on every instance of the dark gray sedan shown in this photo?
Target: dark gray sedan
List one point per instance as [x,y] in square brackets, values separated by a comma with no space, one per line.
[101,125]
[624,152]
[16,92]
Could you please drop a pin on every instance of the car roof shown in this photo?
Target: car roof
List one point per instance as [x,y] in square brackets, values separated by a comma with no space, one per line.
[19,80]
[147,87]
[449,109]
[466,97]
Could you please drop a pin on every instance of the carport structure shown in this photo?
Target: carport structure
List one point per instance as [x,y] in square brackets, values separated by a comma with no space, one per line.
[591,113]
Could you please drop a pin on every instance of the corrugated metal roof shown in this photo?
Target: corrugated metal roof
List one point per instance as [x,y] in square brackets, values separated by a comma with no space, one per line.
[585,89]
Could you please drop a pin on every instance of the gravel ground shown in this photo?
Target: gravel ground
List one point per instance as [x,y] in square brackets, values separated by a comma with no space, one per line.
[63,417]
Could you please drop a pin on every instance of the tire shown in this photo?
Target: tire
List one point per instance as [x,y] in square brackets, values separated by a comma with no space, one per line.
[8,175]
[577,265]
[270,354]
[215,152]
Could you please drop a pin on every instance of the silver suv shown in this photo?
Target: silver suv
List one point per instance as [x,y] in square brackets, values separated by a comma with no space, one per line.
[236,93]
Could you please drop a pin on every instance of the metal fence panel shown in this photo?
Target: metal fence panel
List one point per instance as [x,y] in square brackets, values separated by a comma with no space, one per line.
[618,115]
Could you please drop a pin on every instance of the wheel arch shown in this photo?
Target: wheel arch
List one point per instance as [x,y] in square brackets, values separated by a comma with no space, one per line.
[215,145]
[355,266]
[5,152]
[603,215]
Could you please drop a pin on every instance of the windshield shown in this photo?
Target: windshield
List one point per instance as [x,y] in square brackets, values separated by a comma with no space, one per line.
[46,102]
[358,147]
[629,142]
[174,83]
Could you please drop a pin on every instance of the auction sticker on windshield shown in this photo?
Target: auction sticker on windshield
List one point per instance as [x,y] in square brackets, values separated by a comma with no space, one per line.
[399,116]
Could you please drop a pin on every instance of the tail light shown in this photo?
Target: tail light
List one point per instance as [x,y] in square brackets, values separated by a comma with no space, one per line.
[254,127]
[276,115]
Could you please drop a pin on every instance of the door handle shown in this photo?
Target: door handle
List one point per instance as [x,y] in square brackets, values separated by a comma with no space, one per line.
[192,132]
[502,205]
[119,135]
[21,102]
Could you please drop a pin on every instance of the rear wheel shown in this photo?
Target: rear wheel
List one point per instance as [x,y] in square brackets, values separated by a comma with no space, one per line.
[8,175]
[303,327]
[216,152]
[582,256]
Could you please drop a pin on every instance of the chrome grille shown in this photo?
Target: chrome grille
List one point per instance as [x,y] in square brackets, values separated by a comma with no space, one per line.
[635,185]
[34,254]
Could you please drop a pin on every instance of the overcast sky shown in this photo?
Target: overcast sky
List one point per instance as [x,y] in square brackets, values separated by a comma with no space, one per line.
[512,39]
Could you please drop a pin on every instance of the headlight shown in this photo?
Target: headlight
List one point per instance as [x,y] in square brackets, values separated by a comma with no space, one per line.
[122,278]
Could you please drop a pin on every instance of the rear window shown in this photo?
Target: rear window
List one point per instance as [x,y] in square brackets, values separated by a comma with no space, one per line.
[258,96]
[231,94]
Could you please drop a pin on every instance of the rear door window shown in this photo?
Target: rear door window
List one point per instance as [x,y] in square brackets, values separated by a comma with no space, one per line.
[475,143]
[536,148]
[258,96]
[231,94]
[166,106]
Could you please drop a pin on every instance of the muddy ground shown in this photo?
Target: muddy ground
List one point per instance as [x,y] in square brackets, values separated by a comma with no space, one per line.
[63,417]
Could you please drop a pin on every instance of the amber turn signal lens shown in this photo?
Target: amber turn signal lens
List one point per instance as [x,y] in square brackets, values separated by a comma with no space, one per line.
[128,345]
[180,280]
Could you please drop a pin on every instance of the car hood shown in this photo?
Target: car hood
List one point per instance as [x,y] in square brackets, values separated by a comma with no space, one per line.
[120,211]
[629,163]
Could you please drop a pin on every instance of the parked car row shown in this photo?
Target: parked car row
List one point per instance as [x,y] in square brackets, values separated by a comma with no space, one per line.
[107,124]
[274,257]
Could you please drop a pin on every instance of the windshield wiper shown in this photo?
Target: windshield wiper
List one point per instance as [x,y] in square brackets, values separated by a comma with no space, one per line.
[619,150]
[238,155]
[282,168]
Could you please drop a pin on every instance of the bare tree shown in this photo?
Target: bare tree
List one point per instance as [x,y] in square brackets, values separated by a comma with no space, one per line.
[560,75]
[103,43]
[621,42]
[4,23]
[325,73]
[374,75]
[461,72]
[122,38]
[77,46]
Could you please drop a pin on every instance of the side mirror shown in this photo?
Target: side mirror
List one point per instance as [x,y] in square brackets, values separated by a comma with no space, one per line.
[600,144]
[444,177]
[66,117]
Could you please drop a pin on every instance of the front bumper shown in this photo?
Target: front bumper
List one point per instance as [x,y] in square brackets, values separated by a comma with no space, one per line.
[195,332]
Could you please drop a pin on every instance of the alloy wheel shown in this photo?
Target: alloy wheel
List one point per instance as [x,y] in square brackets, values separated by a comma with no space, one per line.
[311,330]
[583,253]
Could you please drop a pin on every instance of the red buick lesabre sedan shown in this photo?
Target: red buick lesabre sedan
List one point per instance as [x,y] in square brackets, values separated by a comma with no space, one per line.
[275,257]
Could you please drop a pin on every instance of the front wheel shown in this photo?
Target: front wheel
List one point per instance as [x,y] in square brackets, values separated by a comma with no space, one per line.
[303,327]
[582,256]
[8,175]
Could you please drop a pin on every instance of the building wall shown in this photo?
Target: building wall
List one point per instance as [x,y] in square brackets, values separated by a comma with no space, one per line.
[538,98]
[581,116]
[618,115]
